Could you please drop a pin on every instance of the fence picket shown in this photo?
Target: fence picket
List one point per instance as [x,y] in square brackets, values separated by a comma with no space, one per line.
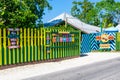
[0,47]
[36,45]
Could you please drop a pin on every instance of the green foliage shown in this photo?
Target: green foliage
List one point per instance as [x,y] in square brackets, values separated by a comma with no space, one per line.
[21,13]
[37,7]
[2,8]
[105,12]
[82,10]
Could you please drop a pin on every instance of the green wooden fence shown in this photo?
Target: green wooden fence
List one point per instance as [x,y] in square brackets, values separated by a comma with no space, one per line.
[37,44]
[118,42]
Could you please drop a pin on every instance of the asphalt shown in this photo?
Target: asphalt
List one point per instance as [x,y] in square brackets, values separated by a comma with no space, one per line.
[105,70]
[33,70]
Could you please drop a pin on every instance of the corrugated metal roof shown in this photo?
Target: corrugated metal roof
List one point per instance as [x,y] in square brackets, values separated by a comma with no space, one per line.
[111,29]
[53,23]
[118,27]
[76,23]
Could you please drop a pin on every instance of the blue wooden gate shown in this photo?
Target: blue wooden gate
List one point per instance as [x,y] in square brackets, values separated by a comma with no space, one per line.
[85,43]
[112,42]
[94,44]
[89,43]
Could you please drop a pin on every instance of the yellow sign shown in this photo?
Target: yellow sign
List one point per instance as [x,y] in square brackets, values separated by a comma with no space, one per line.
[104,37]
[104,46]
[64,32]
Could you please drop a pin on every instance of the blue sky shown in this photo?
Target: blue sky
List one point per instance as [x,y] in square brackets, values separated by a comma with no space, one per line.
[60,6]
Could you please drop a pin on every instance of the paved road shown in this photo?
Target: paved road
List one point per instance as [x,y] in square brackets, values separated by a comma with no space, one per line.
[107,70]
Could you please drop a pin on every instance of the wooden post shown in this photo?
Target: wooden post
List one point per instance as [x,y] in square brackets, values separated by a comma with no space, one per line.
[32,45]
[21,45]
[38,39]
[18,53]
[28,38]
[25,55]
[4,44]
[0,47]
[35,45]
[45,45]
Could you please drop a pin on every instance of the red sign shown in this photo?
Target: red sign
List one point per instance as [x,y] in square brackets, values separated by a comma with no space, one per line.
[98,38]
[111,38]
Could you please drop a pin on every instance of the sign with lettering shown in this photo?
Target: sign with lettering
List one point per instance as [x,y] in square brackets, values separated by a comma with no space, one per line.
[13,37]
[105,37]
[104,46]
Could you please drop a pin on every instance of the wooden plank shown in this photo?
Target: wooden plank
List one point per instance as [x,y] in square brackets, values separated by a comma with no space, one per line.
[18,53]
[0,47]
[21,45]
[35,45]
[38,39]
[25,54]
[4,44]
[28,38]
[44,38]
[9,51]
[42,54]
[118,41]
[32,55]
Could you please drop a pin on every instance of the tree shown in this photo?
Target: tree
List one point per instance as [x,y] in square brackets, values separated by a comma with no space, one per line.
[107,8]
[1,13]
[105,12]
[82,9]
[21,13]
[37,7]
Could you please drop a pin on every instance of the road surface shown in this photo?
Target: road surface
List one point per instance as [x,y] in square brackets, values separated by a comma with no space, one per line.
[106,70]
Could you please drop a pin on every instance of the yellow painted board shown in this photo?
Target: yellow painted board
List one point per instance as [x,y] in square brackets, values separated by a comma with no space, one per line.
[41,36]
[21,45]
[35,45]
[118,37]
[18,49]
[14,56]
[44,44]
[35,36]
[0,48]
[32,43]
[25,56]
[42,54]
[4,44]
[9,49]
[50,44]
[28,38]
[38,43]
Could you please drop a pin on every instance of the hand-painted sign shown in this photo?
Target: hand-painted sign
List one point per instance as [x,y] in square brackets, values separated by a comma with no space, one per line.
[104,37]
[63,37]
[13,37]
[63,32]
[104,46]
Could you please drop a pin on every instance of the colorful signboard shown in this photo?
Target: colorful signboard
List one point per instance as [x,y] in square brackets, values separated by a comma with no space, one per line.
[13,37]
[63,37]
[104,46]
[104,38]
